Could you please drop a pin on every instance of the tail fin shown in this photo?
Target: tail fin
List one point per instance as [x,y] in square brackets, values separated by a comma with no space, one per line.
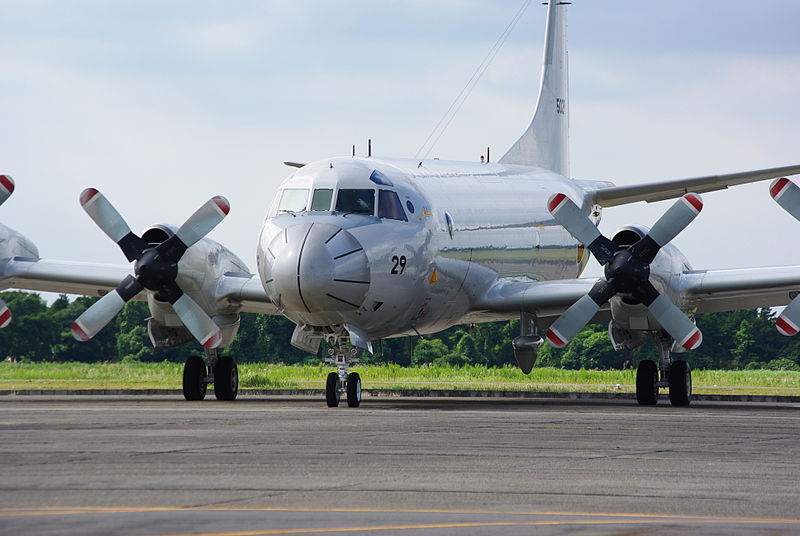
[546,142]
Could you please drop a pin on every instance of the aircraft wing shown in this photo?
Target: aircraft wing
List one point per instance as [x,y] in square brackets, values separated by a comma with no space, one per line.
[709,291]
[669,189]
[94,279]
[701,291]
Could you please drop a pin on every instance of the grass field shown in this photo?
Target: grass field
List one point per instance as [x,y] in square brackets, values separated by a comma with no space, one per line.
[16,376]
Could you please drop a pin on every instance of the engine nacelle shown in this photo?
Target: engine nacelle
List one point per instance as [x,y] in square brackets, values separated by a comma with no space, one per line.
[630,318]
[14,244]
[199,272]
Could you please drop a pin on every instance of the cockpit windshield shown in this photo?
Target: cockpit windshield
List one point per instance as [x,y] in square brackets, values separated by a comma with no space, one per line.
[356,201]
[321,200]
[293,200]
[389,206]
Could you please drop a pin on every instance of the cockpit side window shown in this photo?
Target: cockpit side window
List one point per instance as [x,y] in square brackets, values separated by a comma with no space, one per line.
[358,201]
[293,200]
[321,200]
[389,206]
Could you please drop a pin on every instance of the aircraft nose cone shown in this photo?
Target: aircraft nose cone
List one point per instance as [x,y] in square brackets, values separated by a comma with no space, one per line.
[317,267]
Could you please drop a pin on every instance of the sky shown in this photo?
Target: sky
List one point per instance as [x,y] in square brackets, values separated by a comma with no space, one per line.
[164,104]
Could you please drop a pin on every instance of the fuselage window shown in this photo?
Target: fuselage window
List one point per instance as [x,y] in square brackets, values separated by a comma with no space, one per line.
[410,206]
[321,200]
[293,200]
[389,206]
[356,201]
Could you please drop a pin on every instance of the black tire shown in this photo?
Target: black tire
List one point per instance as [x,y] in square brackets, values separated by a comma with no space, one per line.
[226,378]
[194,378]
[353,390]
[332,394]
[646,383]
[680,383]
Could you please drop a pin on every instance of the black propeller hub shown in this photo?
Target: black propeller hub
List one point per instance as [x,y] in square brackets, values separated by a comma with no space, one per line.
[154,269]
[627,271]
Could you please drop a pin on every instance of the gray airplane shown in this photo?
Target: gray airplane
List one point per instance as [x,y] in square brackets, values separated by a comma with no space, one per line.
[358,249]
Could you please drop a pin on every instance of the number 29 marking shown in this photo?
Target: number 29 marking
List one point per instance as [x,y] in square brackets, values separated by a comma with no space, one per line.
[399,264]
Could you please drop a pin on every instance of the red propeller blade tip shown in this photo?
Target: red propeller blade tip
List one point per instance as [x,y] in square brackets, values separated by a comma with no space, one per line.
[213,340]
[694,340]
[7,184]
[222,204]
[555,339]
[555,202]
[785,327]
[694,201]
[87,195]
[78,333]
[778,187]
[5,317]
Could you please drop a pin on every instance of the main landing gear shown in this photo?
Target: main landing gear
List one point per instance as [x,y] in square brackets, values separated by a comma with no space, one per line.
[342,382]
[675,375]
[222,371]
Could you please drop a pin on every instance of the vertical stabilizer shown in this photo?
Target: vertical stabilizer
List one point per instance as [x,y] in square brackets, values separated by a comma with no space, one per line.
[546,142]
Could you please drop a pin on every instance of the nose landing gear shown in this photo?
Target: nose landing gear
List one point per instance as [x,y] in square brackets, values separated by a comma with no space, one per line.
[342,381]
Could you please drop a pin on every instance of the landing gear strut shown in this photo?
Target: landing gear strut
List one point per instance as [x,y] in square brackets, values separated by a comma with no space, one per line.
[222,371]
[675,375]
[342,382]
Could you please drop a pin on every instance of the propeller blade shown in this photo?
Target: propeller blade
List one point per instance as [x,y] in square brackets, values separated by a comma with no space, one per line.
[672,222]
[5,314]
[197,321]
[788,322]
[105,309]
[6,188]
[567,213]
[579,314]
[196,227]
[786,194]
[674,322]
[111,223]
[203,220]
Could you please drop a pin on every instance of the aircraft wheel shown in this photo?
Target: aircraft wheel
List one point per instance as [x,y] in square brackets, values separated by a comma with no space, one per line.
[332,394]
[646,383]
[194,378]
[680,383]
[353,390]
[226,378]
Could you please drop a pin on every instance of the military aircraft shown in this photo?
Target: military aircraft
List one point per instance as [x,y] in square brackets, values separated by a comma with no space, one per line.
[358,249]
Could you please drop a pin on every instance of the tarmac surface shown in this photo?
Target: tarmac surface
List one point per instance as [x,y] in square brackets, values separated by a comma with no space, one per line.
[159,465]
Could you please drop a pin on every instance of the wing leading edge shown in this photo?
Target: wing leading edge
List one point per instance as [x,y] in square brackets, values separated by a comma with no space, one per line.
[698,291]
[95,279]
[669,189]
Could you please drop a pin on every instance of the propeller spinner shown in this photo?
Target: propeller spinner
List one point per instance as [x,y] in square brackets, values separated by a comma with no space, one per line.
[787,195]
[6,189]
[627,271]
[156,268]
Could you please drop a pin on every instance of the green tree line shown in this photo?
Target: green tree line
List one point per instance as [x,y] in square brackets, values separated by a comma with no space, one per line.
[41,332]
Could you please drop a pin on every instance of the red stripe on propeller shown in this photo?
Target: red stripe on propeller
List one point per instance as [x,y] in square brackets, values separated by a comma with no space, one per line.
[78,333]
[222,204]
[693,341]
[5,317]
[87,195]
[554,339]
[695,201]
[213,341]
[778,187]
[784,327]
[7,183]
[555,201]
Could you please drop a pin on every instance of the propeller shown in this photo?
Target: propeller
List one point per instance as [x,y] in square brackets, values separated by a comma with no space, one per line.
[787,195]
[627,271]
[156,268]
[6,189]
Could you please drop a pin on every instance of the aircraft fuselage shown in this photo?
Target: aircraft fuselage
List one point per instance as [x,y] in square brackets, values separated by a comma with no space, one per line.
[394,247]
